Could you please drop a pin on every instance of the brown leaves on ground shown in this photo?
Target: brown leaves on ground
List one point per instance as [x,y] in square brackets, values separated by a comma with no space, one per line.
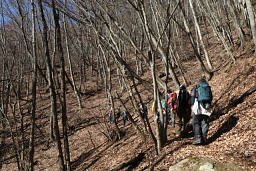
[232,133]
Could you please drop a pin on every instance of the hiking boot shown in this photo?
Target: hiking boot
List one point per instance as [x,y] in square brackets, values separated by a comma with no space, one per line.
[204,141]
[197,142]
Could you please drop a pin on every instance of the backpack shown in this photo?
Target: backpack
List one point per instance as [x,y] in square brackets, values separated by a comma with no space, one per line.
[124,117]
[110,117]
[164,101]
[204,94]
[118,114]
[183,98]
[172,102]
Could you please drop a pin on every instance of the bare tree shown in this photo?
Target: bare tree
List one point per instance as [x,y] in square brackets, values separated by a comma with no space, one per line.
[237,24]
[70,63]
[252,20]
[63,87]
[200,36]
[34,84]
[52,87]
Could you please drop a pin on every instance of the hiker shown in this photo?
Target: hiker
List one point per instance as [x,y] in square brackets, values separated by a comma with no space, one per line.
[118,114]
[124,117]
[173,104]
[201,99]
[110,117]
[165,106]
[144,110]
[184,110]
[164,99]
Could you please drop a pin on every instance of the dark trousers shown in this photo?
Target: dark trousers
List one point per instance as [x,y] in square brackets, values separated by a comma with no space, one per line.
[200,125]
[184,115]
[124,120]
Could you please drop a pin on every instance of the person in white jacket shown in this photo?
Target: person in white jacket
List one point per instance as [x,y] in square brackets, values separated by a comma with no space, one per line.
[200,115]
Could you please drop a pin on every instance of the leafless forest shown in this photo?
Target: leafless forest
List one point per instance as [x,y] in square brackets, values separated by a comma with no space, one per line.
[129,51]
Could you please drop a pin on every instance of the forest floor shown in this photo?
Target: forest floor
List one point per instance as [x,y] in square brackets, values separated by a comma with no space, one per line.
[232,132]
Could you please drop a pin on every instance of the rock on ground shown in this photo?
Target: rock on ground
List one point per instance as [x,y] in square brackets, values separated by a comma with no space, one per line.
[203,164]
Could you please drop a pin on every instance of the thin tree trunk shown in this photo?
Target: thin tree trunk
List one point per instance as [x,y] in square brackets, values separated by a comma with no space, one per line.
[157,46]
[200,36]
[108,84]
[70,65]
[129,115]
[52,88]
[110,96]
[213,24]
[207,73]
[252,21]
[22,159]
[176,59]
[3,77]
[4,111]
[63,87]
[34,84]
[236,20]
[158,131]
[131,98]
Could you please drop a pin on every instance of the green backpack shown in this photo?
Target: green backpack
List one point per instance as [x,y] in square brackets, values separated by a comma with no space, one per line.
[164,102]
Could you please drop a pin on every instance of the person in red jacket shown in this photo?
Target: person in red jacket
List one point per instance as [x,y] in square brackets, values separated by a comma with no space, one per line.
[173,104]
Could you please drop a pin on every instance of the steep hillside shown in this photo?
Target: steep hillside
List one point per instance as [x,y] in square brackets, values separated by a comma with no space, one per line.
[232,134]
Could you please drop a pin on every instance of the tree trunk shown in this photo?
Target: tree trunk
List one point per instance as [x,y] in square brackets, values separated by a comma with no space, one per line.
[110,96]
[129,116]
[70,65]
[34,82]
[63,87]
[236,20]
[156,117]
[207,73]
[132,99]
[109,91]
[52,87]
[4,112]
[252,21]
[200,36]
[157,46]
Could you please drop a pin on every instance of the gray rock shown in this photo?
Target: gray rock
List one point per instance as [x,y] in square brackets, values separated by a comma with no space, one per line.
[206,167]
[203,164]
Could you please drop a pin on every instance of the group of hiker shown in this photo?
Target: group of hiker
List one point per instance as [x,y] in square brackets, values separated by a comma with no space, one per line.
[197,103]
[117,116]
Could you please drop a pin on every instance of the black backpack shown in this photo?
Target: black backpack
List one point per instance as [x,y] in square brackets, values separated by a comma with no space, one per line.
[183,98]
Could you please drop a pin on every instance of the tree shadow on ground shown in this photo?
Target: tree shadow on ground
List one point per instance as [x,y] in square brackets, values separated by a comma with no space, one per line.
[232,104]
[163,156]
[80,160]
[188,133]
[236,81]
[226,127]
[1,156]
[83,123]
[131,164]
[91,164]
[172,140]
[6,148]
[90,93]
